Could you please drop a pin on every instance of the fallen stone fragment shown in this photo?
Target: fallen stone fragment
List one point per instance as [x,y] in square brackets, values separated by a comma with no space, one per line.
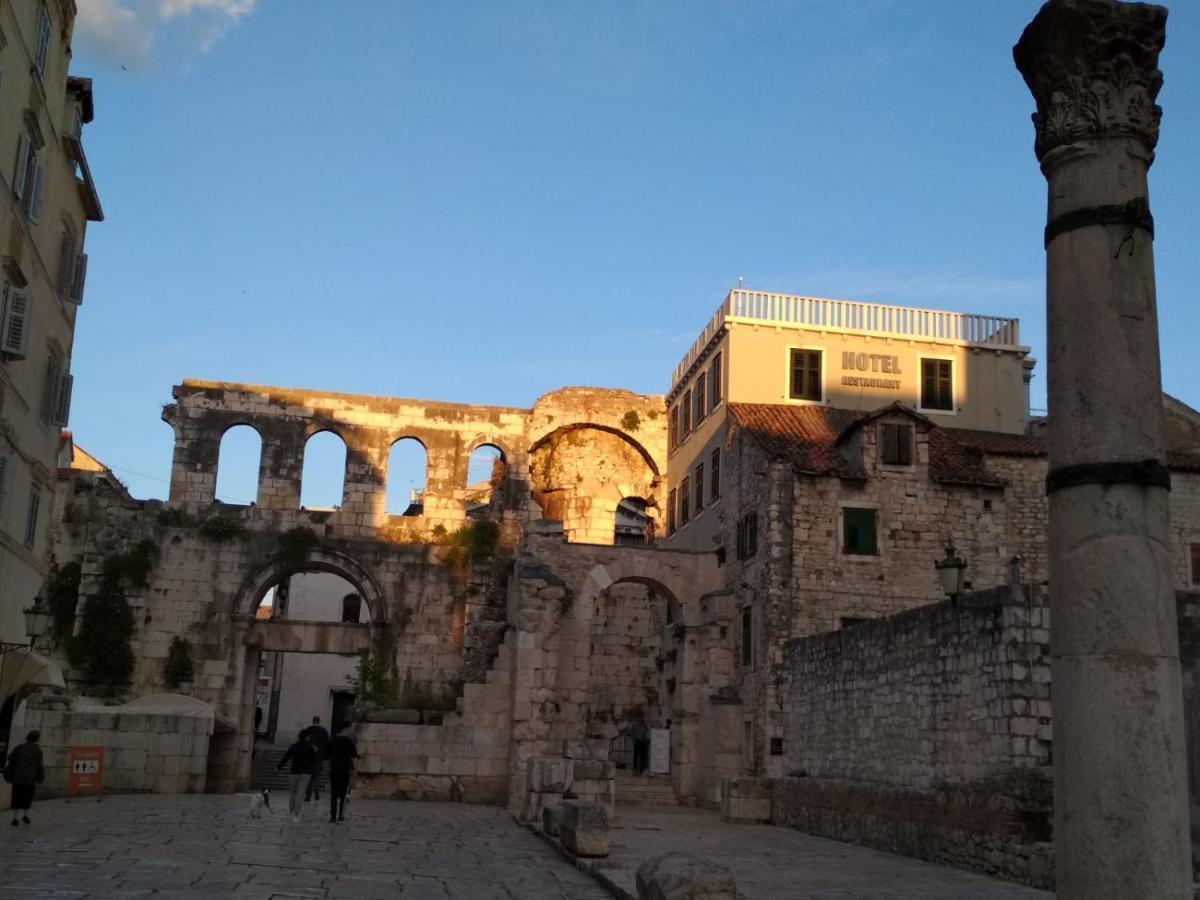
[680,876]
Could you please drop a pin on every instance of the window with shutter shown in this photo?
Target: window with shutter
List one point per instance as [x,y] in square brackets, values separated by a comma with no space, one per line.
[699,475]
[35,195]
[31,515]
[1195,563]
[701,398]
[62,403]
[714,492]
[714,382]
[15,334]
[806,375]
[686,427]
[937,384]
[21,173]
[670,512]
[685,488]
[51,387]
[66,263]
[747,636]
[80,276]
[42,52]
[673,432]
[858,532]
[4,464]
[896,444]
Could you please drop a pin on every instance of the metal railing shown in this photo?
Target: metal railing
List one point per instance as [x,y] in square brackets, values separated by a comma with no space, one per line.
[877,319]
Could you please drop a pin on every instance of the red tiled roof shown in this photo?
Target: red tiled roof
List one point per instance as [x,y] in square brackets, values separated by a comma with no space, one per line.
[807,436]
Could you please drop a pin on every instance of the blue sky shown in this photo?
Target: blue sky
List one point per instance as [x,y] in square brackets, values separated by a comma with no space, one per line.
[483,201]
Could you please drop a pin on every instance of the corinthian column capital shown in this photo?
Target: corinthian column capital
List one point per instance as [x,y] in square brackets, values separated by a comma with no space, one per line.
[1092,66]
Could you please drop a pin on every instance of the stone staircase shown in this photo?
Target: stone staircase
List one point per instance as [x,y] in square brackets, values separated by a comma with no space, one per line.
[264,772]
[644,790]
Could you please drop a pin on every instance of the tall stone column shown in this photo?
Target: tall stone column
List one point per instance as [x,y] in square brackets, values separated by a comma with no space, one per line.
[1120,782]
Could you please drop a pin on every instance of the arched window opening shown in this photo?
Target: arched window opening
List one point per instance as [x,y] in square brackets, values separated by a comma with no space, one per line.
[406,472]
[633,524]
[238,462]
[485,475]
[324,474]
[292,688]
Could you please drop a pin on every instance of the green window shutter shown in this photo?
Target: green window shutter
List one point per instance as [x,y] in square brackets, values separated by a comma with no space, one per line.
[858,532]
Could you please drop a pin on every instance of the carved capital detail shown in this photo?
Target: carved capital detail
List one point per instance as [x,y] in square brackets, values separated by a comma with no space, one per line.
[1092,66]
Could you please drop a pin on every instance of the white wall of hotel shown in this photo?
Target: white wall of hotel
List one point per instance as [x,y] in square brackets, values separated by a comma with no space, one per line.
[307,682]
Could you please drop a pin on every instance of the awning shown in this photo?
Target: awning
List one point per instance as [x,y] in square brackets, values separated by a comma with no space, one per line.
[26,669]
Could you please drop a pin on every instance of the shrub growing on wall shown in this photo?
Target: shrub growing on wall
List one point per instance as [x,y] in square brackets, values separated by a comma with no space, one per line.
[373,682]
[62,596]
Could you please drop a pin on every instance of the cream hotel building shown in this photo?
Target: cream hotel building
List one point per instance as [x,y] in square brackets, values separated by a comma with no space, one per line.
[962,370]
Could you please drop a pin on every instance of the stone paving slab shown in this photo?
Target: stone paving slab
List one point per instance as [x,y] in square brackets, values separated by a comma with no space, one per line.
[770,863]
[205,846]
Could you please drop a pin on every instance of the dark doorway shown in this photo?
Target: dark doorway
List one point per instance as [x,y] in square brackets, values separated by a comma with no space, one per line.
[343,708]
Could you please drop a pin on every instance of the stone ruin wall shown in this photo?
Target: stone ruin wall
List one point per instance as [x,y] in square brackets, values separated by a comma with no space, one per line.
[927,733]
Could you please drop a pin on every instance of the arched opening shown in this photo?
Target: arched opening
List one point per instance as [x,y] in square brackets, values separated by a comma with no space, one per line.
[323,477]
[238,463]
[406,473]
[292,688]
[485,476]
[632,525]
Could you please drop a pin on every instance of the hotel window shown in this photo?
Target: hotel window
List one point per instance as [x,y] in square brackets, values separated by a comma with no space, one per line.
[806,375]
[747,636]
[673,428]
[699,488]
[686,405]
[670,512]
[747,536]
[714,382]
[701,397]
[858,532]
[937,384]
[714,492]
[896,444]
[685,487]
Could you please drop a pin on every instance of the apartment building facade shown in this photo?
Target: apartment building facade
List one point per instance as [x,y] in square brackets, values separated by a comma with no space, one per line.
[47,200]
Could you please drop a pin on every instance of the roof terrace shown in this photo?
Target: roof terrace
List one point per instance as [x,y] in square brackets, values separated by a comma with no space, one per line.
[875,319]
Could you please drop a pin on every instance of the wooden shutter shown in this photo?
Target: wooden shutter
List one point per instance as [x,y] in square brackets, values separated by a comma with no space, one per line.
[701,397]
[35,197]
[699,488]
[15,335]
[715,490]
[51,387]
[686,427]
[42,52]
[1195,563]
[3,480]
[806,375]
[673,433]
[62,402]
[66,264]
[670,512]
[945,385]
[31,516]
[78,279]
[889,436]
[685,498]
[714,382]
[20,176]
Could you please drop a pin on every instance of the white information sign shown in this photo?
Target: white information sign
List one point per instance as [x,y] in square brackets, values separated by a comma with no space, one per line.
[660,751]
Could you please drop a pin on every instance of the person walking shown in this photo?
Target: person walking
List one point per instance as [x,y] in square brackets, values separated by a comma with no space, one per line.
[301,755]
[25,771]
[640,733]
[319,738]
[342,753]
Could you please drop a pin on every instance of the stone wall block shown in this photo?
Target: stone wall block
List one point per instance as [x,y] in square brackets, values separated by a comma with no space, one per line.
[584,828]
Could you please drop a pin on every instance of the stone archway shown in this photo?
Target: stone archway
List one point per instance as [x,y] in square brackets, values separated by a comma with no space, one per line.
[318,559]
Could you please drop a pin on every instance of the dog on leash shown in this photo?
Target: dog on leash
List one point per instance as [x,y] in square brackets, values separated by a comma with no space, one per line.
[259,802]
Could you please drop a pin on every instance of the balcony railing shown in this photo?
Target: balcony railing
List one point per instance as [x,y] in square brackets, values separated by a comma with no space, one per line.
[876,319]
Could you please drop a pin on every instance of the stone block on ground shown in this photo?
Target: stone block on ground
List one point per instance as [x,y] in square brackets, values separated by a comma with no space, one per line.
[746,800]
[551,815]
[537,801]
[583,827]
[681,876]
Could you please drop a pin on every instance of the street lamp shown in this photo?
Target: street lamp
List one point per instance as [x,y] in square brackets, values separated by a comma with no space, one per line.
[37,619]
[951,573]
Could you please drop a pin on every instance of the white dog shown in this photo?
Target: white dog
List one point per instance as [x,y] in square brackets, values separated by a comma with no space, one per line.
[259,802]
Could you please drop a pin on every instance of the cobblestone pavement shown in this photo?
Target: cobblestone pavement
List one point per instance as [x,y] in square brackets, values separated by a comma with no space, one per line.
[194,847]
[771,863]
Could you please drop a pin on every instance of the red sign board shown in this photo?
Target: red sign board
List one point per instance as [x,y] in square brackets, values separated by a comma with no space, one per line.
[85,770]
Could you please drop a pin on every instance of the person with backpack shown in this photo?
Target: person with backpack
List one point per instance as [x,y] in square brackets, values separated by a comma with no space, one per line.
[342,753]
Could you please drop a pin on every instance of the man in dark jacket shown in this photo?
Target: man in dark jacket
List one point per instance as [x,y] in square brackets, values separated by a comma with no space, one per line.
[342,753]
[24,772]
[319,738]
[301,755]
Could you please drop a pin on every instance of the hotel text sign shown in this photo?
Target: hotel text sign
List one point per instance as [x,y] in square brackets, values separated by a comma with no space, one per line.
[871,362]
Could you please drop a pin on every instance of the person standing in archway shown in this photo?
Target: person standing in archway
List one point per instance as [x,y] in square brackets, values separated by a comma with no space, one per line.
[316,735]
[640,733]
